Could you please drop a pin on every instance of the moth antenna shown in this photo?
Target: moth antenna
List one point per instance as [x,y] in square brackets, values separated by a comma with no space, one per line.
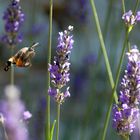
[34,45]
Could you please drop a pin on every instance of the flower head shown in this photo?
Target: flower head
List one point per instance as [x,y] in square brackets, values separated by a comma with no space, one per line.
[13,17]
[130,19]
[26,115]
[126,112]
[124,118]
[59,70]
[12,111]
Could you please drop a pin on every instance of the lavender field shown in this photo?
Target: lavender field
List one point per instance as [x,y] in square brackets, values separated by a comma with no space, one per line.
[69,70]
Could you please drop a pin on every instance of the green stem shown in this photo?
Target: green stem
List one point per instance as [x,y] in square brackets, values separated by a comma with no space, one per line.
[105,29]
[136,6]
[48,74]
[96,69]
[52,130]
[125,137]
[114,89]
[91,98]
[126,43]
[123,6]
[57,121]
[103,48]
[12,68]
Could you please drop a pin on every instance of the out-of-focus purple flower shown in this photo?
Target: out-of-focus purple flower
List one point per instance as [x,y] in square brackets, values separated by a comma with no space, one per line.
[89,59]
[13,17]
[26,115]
[79,10]
[37,29]
[67,93]
[138,16]
[59,70]
[40,119]
[12,109]
[52,92]
[130,19]
[126,112]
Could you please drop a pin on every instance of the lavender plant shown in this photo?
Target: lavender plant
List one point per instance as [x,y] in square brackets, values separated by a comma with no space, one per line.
[126,112]
[14,114]
[59,70]
[130,19]
[13,17]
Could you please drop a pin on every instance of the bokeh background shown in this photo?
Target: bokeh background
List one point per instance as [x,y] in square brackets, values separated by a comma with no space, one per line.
[83,114]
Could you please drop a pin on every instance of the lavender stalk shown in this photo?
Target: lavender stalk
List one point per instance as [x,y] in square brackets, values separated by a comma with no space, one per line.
[14,115]
[130,20]
[126,112]
[48,74]
[13,17]
[59,71]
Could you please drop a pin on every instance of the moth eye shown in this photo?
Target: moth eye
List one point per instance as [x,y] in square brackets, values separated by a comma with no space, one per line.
[8,63]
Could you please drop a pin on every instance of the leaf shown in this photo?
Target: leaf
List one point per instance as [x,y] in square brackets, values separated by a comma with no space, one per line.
[52,130]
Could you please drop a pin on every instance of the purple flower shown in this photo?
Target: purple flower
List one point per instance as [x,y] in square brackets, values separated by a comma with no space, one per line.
[124,118]
[12,109]
[79,10]
[52,92]
[13,17]
[126,112]
[59,70]
[138,16]
[67,93]
[26,115]
[130,19]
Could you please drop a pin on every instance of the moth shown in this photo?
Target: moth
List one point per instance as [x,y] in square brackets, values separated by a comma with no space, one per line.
[22,58]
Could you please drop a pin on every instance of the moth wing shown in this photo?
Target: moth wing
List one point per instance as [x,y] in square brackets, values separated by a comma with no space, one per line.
[28,55]
[20,53]
[28,64]
[31,54]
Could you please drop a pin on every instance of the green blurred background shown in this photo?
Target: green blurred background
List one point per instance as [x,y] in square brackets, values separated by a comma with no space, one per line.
[83,114]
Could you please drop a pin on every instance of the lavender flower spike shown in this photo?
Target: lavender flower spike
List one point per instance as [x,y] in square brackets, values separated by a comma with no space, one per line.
[13,17]
[59,70]
[12,109]
[126,112]
[130,19]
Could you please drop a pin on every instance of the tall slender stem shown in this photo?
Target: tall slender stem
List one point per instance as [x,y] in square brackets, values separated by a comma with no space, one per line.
[114,89]
[12,68]
[125,137]
[57,121]
[136,6]
[103,48]
[48,74]
[123,6]
[105,29]
[126,43]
